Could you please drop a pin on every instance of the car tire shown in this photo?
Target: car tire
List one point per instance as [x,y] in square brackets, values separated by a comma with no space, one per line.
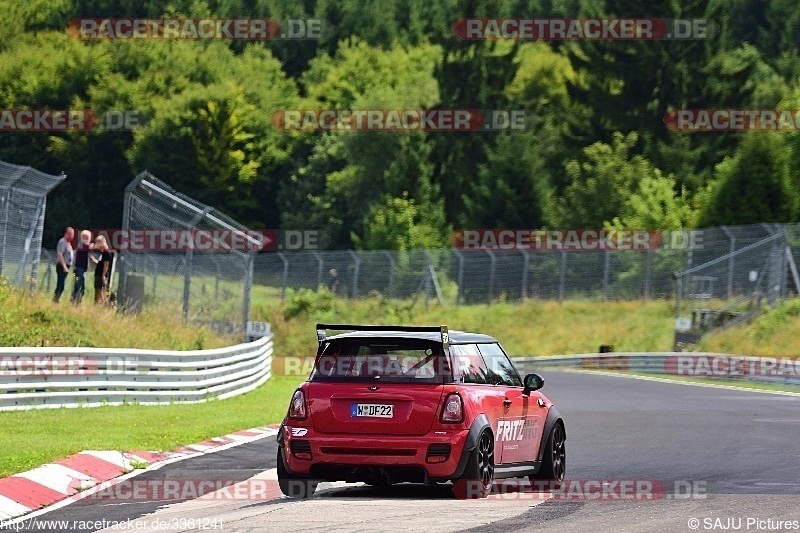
[554,462]
[292,486]
[478,477]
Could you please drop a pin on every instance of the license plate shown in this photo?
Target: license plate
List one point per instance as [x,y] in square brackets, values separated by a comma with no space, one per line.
[376,410]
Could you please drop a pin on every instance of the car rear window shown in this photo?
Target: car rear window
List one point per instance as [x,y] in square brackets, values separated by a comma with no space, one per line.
[387,360]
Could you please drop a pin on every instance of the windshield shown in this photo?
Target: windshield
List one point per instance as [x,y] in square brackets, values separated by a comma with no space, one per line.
[387,360]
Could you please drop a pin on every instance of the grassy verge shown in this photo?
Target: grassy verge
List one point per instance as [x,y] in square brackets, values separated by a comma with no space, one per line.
[774,333]
[32,438]
[27,320]
[524,328]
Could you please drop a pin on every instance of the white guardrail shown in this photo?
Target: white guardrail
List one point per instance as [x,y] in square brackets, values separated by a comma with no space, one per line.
[89,377]
[775,370]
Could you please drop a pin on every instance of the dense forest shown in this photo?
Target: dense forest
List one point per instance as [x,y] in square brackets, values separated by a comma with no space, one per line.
[597,154]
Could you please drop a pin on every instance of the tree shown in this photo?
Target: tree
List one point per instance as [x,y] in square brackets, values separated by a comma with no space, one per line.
[655,205]
[400,224]
[346,172]
[610,182]
[471,75]
[753,185]
[513,188]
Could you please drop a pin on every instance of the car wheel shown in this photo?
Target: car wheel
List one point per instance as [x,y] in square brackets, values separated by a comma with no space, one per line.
[478,477]
[554,462]
[292,486]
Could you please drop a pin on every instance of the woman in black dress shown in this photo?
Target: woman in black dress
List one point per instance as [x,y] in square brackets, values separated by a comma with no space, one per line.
[101,270]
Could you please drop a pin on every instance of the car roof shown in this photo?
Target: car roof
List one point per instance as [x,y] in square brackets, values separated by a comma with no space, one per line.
[456,337]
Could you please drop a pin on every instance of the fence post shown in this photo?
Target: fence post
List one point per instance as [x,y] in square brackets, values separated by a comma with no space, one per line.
[563,276]
[285,274]
[320,263]
[35,235]
[606,268]
[525,261]
[48,272]
[218,275]
[187,282]
[391,272]
[126,227]
[459,277]
[648,265]
[732,248]
[248,288]
[493,263]
[6,199]
[155,274]
[356,269]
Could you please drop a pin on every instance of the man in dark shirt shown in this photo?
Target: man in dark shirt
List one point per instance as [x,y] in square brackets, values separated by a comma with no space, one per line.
[81,266]
[333,280]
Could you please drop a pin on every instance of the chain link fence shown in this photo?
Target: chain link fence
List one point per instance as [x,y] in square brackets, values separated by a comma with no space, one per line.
[479,276]
[23,197]
[724,286]
[184,254]
[475,276]
[716,269]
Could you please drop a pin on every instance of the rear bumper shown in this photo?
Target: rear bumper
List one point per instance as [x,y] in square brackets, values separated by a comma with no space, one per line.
[393,458]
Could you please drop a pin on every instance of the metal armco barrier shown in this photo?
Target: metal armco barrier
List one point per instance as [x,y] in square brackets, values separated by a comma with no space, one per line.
[735,368]
[90,377]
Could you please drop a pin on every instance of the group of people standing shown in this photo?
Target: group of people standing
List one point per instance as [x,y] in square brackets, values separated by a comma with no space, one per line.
[79,259]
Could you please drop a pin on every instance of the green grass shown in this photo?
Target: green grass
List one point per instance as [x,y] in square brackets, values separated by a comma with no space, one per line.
[32,438]
[524,328]
[774,333]
[33,320]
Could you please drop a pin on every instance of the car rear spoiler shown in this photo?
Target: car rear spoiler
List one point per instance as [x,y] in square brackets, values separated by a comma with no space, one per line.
[442,330]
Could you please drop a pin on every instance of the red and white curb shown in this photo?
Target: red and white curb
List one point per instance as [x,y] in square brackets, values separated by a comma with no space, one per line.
[67,479]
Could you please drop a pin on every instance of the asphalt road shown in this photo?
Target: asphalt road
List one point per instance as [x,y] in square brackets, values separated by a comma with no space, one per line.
[721,457]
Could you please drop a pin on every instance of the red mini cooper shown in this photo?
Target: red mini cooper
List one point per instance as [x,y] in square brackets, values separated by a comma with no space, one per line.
[393,404]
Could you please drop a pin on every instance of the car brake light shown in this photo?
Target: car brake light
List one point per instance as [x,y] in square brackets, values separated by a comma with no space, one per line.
[453,410]
[297,407]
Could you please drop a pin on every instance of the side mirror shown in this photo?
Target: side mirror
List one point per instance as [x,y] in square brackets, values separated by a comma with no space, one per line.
[532,382]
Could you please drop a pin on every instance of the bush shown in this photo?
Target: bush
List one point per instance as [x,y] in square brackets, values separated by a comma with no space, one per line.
[305,301]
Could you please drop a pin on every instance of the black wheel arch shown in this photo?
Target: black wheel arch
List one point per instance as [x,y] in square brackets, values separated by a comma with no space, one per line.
[553,418]
[480,423]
